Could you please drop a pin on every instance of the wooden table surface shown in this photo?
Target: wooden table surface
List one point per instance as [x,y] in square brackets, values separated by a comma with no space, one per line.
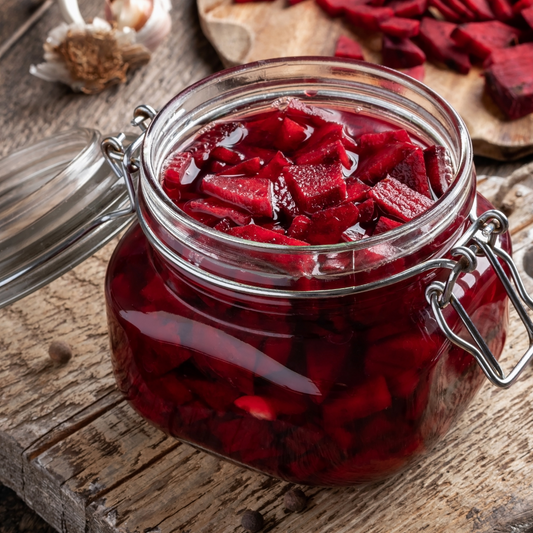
[77,453]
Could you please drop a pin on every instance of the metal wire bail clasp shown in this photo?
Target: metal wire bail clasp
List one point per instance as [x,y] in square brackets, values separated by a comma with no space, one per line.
[122,160]
[482,240]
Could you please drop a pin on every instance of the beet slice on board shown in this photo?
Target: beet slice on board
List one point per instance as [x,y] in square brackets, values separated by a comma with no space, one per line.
[400,27]
[368,17]
[448,13]
[348,48]
[401,53]
[481,8]
[408,8]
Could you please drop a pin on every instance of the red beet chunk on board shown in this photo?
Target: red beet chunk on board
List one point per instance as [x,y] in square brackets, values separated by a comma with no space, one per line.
[400,27]
[368,17]
[408,8]
[465,14]
[401,53]
[256,233]
[412,172]
[481,38]
[327,226]
[519,54]
[502,9]
[510,84]
[448,13]
[349,48]
[334,8]
[315,187]
[251,194]
[399,200]
[481,8]
[439,169]
[435,38]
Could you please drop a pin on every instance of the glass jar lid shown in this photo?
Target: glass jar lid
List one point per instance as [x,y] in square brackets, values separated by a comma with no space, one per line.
[58,200]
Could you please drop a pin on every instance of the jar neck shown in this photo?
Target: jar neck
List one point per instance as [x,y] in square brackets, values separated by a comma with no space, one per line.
[219,258]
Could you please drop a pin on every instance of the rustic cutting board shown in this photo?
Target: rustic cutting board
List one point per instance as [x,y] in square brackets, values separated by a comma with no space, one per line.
[242,33]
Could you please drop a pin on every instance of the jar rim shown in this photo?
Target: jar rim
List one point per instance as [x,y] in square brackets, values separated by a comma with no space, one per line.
[462,173]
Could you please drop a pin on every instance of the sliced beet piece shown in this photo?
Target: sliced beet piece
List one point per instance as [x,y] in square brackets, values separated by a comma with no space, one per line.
[284,200]
[224,225]
[356,190]
[326,134]
[257,406]
[263,132]
[250,167]
[370,142]
[226,155]
[316,187]
[400,27]
[368,17]
[376,166]
[408,8]
[349,48]
[256,233]
[448,13]
[465,14]
[528,16]
[328,152]
[510,84]
[399,200]
[290,136]
[517,54]
[362,401]
[181,170]
[435,38]
[439,169]
[366,211]
[481,38]
[354,234]
[216,136]
[274,168]
[336,8]
[502,9]
[401,53]
[412,172]
[318,116]
[521,5]
[219,209]
[327,226]
[418,72]
[481,9]
[385,224]
[299,228]
[251,194]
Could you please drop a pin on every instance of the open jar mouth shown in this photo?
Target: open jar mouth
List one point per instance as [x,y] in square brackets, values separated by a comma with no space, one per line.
[354,85]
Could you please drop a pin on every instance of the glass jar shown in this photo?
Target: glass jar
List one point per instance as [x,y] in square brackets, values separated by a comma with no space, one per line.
[320,365]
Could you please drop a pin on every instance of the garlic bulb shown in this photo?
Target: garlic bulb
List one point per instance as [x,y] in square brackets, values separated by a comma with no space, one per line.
[90,57]
[149,18]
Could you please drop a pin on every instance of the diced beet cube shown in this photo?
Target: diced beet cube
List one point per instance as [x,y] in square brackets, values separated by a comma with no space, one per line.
[284,200]
[252,194]
[366,211]
[401,53]
[317,115]
[290,135]
[446,12]
[356,190]
[528,16]
[502,9]
[315,187]
[408,8]
[349,48]
[181,170]
[399,200]
[274,168]
[510,84]
[376,166]
[418,73]
[371,142]
[334,8]
[219,209]
[465,14]
[481,9]
[412,172]
[481,38]
[299,228]
[326,153]
[362,401]
[226,155]
[327,134]
[439,169]
[250,167]
[214,137]
[518,54]
[256,233]
[435,38]
[257,406]
[385,224]
[263,132]
[367,16]
[400,27]
[327,226]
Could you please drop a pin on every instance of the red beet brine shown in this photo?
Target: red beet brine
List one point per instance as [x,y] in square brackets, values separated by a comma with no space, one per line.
[308,387]
[301,174]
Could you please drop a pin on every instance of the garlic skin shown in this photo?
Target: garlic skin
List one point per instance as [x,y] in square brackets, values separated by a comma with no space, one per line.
[150,19]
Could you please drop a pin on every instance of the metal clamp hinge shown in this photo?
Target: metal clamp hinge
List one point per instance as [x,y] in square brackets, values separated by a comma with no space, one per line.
[483,241]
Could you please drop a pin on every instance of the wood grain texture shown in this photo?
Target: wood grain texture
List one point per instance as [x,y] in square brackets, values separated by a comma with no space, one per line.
[78,454]
[259,30]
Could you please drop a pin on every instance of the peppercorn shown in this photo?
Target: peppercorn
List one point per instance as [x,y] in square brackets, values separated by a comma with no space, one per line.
[252,521]
[60,352]
[295,500]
